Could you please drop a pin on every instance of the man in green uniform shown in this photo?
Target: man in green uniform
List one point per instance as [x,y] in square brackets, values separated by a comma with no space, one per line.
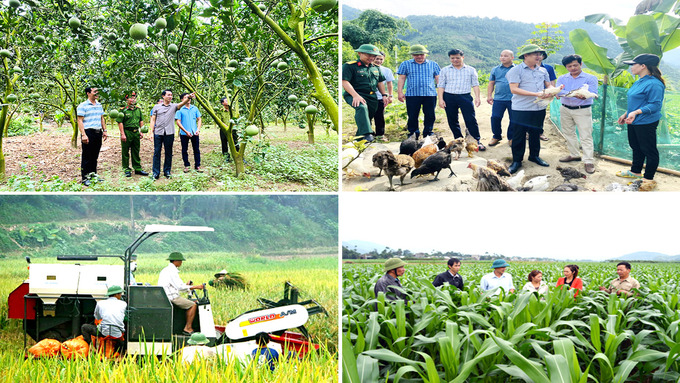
[130,135]
[360,80]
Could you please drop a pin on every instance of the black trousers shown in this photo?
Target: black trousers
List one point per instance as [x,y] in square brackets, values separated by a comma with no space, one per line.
[225,140]
[413,105]
[160,142]
[184,140]
[90,153]
[464,102]
[642,139]
[527,121]
[379,119]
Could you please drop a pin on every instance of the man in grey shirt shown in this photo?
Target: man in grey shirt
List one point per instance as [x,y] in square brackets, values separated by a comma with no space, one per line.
[394,268]
[163,131]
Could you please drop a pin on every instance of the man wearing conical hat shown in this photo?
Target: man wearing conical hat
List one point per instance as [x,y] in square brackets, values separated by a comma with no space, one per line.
[109,316]
[361,80]
[173,285]
[421,77]
[394,268]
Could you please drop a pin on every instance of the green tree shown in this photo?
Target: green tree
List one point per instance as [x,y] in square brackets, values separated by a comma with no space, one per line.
[547,36]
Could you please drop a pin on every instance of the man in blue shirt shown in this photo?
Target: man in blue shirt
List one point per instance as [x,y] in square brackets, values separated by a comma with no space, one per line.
[576,111]
[262,354]
[502,97]
[188,119]
[422,76]
[92,131]
[498,278]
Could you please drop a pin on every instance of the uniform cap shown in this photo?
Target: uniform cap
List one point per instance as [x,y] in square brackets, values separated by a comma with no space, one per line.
[176,256]
[113,290]
[531,48]
[198,338]
[417,49]
[368,49]
[393,263]
[130,94]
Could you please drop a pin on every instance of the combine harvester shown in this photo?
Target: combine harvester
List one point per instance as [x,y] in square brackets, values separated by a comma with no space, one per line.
[58,298]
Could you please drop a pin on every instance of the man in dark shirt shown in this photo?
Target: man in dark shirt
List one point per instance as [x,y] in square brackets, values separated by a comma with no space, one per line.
[394,268]
[451,275]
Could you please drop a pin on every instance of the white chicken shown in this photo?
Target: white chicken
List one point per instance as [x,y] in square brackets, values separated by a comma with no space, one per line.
[516,180]
[553,91]
[353,163]
[582,91]
[539,183]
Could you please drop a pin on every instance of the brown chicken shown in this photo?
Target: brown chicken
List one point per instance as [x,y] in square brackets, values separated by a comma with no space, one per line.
[500,168]
[399,165]
[488,180]
[457,146]
[471,144]
[424,152]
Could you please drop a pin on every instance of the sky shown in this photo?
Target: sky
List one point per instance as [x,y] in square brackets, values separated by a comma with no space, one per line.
[595,226]
[518,10]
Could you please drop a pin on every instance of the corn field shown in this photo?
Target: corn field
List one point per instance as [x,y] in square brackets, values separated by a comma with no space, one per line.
[447,335]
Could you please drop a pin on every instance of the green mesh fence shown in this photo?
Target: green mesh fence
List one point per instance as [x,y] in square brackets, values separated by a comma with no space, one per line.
[613,139]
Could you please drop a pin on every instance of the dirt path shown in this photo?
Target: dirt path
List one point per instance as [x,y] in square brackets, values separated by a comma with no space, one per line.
[551,151]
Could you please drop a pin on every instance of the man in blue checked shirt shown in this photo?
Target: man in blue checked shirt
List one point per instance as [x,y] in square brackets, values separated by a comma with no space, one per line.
[422,76]
[456,81]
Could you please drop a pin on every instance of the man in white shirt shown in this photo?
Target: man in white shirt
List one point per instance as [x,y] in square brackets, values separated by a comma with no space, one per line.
[173,284]
[197,349]
[498,278]
[109,315]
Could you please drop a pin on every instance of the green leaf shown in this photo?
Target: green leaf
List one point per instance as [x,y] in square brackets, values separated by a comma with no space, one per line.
[594,56]
[532,369]
[367,368]
[388,356]
[642,35]
[595,332]
[558,369]
[672,39]
[349,362]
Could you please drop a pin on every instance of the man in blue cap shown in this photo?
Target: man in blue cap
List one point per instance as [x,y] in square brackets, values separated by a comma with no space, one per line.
[109,317]
[361,80]
[498,278]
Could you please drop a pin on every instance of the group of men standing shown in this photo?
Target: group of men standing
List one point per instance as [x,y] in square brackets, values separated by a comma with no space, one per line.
[422,85]
[164,116]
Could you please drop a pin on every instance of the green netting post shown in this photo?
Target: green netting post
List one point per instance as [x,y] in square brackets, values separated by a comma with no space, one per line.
[600,146]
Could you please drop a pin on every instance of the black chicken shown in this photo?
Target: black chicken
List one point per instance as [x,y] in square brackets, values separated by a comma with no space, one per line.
[435,163]
[570,173]
[409,145]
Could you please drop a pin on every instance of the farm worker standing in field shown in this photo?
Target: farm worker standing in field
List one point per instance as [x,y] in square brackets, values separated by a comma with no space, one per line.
[422,76]
[197,348]
[624,283]
[130,135]
[173,284]
[360,80]
[92,132]
[188,119]
[163,132]
[498,278]
[223,136]
[453,88]
[527,81]
[389,79]
[535,283]
[645,99]
[502,97]
[576,111]
[451,275]
[571,279]
[110,313]
[394,268]
[263,354]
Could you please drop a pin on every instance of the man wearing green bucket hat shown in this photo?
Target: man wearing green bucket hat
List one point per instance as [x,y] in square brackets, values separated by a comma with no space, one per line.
[197,348]
[498,278]
[361,80]
[394,268]
[420,76]
[173,285]
[528,80]
[109,316]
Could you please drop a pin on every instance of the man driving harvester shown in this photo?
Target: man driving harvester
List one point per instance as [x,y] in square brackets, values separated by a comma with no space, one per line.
[173,284]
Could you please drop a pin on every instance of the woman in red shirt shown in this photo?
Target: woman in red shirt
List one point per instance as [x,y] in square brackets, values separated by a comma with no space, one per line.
[571,279]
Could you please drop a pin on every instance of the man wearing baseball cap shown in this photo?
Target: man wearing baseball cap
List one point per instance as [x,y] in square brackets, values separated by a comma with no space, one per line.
[394,268]
[109,316]
[130,125]
[497,278]
[173,285]
[361,80]
[422,76]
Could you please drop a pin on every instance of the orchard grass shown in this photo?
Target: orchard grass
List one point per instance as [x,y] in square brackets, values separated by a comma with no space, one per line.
[315,276]
[447,335]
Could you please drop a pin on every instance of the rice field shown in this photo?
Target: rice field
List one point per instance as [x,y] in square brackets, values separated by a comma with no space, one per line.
[447,335]
[315,276]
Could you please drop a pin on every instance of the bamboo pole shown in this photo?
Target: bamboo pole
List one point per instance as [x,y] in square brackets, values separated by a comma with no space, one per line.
[628,162]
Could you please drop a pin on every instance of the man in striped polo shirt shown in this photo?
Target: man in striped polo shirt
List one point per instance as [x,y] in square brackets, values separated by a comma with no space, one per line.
[456,81]
[92,131]
[422,76]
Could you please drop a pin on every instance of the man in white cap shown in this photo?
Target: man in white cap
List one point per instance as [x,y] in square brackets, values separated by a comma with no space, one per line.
[394,268]
[173,284]
[109,316]
[497,278]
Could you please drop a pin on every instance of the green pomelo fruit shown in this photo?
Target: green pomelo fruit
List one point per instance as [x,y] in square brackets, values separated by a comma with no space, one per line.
[113,113]
[144,129]
[4,53]
[14,3]
[172,49]
[282,65]
[138,31]
[323,5]
[40,39]
[34,95]
[11,97]
[302,104]
[252,130]
[262,7]
[311,110]
[292,98]
[16,69]
[74,22]
[233,64]
[327,73]
[161,23]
